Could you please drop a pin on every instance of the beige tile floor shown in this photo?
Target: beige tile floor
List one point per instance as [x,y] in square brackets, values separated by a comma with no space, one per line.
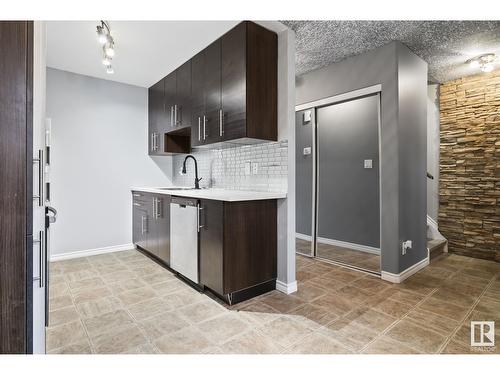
[360,259]
[125,303]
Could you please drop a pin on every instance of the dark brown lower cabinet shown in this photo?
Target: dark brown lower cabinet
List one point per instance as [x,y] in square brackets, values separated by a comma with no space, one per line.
[151,224]
[238,247]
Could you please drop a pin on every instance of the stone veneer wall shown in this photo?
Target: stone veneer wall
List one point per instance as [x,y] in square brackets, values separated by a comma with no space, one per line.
[469,186]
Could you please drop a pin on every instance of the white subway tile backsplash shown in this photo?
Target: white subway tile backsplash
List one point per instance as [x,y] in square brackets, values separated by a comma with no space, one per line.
[225,168]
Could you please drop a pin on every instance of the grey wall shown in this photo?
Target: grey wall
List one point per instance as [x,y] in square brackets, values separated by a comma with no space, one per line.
[382,66]
[412,141]
[304,174]
[348,193]
[99,151]
[433,150]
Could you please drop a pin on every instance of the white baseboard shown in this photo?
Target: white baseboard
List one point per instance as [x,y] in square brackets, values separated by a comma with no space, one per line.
[347,245]
[400,277]
[286,288]
[90,252]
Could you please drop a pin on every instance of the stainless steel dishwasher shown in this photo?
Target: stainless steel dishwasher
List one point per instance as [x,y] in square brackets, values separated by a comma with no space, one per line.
[184,227]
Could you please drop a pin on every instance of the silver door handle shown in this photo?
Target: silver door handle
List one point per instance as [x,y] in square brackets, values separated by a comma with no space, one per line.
[154,208]
[136,195]
[159,208]
[152,141]
[204,127]
[175,115]
[221,122]
[172,124]
[142,224]
[199,129]
[137,204]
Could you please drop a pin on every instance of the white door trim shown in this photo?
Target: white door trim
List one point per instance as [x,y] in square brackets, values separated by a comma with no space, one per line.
[286,288]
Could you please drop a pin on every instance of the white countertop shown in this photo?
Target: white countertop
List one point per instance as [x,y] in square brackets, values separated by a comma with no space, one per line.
[215,194]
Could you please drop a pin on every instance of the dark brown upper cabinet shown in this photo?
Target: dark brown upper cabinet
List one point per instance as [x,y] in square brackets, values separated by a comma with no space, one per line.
[156,117]
[239,76]
[226,93]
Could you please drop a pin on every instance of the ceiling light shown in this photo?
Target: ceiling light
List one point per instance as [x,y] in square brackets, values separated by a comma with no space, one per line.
[109,51]
[106,61]
[483,62]
[108,45]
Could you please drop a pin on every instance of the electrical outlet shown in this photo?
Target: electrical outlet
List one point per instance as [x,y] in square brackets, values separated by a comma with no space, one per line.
[247,168]
[406,245]
[255,168]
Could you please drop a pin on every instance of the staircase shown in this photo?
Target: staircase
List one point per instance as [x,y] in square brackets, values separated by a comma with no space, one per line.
[436,248]
[437,245]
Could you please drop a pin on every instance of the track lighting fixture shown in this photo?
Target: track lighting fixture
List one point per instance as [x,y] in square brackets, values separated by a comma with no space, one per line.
[484,62]
[108,45]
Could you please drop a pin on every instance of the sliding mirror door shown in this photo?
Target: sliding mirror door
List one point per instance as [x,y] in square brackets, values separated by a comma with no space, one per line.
[348,183]
[304,184]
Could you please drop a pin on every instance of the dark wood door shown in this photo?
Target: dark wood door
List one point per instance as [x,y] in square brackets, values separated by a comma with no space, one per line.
[183,104]
[211,245]
[156,116]
[150,236]
[233,51]
[170,102]
[16,134]
[162,227]
[197,98]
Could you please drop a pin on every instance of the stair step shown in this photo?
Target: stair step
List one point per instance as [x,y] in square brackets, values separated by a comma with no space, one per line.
[436,247]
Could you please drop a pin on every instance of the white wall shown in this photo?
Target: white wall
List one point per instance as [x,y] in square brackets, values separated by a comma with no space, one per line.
[99,151]
[433,150]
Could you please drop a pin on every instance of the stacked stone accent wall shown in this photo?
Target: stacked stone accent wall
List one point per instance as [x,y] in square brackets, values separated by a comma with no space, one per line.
[469,181]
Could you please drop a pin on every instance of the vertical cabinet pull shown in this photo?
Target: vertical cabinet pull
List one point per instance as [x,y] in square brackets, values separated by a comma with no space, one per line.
[39,162]
[172,124]
[198,217]
[199,129]
[221,122]
[41,259]
[154,208]
[176,121]
[204,127]
[143,227]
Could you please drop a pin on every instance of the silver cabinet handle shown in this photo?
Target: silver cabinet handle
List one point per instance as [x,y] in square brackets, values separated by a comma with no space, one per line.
[199,129]
[154,208]
[152,141]
[39,161]
[172,116]
[159,208]
[137,204]
[176,121]
[204,127]
[198,218]
[143,219]
[221,122]
[136,195]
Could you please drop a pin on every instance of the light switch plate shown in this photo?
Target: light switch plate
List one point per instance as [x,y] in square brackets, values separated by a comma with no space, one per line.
[247,168]
[307,151]
[307,117]
[368,163]
[255,168]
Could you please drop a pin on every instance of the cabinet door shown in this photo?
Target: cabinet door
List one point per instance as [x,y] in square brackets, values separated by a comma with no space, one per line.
[150,239]
[211,245]
[212,77]
[170,102]
[182,108]
[197,98]
[233,51]
[139,225]
[162,227]
[156,116]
